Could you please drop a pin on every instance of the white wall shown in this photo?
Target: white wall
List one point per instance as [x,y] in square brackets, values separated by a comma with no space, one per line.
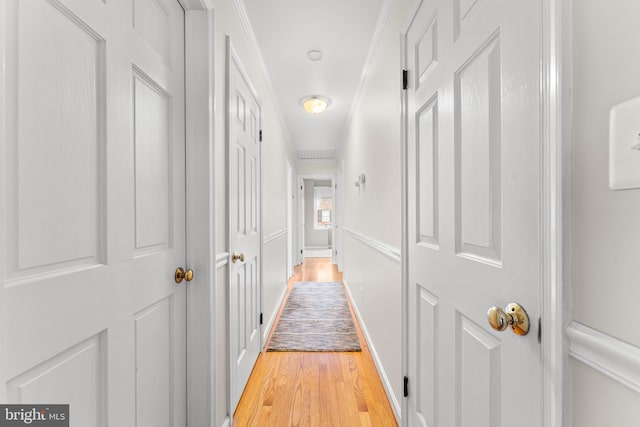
[372,146]
[275,151]
[606,224]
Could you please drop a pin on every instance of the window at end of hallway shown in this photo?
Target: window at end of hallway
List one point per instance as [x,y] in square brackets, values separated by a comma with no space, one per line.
[323,202]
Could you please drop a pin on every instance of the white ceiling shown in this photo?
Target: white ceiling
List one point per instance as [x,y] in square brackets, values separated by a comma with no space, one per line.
[343,30]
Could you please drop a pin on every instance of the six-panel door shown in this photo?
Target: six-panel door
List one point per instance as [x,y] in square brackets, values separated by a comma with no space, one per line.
[92,203]
[473,158]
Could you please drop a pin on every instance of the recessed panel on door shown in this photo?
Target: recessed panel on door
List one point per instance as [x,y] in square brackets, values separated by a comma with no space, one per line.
[426,51]
[242,310]
[253,195]
[152,139]
[241,195]
[252,299]
[478,376]
[478,155]
[426,333]
[427,173]
[241,110]
[55,138]
[75,377]
[154,364]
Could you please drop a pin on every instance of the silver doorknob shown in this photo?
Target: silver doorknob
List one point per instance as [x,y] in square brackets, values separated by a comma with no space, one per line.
[513,315]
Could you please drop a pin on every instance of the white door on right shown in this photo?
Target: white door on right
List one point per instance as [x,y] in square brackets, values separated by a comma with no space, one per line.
[474,188]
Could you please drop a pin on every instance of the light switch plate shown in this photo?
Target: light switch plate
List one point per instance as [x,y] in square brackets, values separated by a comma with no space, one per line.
[624,145]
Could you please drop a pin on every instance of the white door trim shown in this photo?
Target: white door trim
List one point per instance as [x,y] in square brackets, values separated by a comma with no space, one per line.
[555,155]
[556,138]
[323,177]
[290,191]
[201,255]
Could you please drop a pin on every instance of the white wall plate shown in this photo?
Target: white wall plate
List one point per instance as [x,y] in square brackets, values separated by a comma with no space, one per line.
[624,145]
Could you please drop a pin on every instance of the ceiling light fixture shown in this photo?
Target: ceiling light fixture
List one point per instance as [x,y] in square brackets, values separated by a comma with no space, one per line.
[315,104]
[314,55]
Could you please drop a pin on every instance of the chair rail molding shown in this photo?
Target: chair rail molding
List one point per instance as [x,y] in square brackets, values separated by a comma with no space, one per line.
[613,357]
[222,259]
[388,250]
[273,236]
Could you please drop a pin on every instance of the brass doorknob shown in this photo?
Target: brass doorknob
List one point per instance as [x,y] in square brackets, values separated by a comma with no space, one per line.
[181,274]
[235,257]
[514,315]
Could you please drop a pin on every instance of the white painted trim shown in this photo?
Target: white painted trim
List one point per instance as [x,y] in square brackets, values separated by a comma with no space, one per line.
[376,358]
[607,354]
[253,43]
[270,237]
[388,250]
[404,223]
[200,213]
[266,329]
[373,48]
[222,259]
[552,305]
[227,422]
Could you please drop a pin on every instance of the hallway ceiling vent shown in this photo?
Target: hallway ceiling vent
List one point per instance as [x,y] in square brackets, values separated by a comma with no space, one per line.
[316,154]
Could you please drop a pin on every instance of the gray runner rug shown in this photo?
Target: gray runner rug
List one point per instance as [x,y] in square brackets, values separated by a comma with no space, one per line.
[316,317]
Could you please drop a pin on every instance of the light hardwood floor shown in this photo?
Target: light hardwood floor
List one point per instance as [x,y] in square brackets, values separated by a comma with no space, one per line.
[327,389]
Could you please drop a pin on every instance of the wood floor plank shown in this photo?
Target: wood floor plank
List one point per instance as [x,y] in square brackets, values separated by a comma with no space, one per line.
[315,388]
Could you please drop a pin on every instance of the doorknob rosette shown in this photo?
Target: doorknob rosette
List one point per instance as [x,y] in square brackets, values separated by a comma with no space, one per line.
[514,315]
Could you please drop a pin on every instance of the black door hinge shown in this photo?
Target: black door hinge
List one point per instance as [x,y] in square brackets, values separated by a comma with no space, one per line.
[406,386]
[405,79]
[539,330]
[261,318]
[260,135]
[300,250]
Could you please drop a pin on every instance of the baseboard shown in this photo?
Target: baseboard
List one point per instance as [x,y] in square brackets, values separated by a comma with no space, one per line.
[376,359]
[267,328]
[227,422]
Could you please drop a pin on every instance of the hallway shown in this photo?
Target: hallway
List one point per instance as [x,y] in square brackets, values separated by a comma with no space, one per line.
[472,168]
[315,389]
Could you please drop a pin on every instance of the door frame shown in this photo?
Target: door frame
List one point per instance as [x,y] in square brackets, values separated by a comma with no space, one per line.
[555,116]
[290,218]
[200,198]
[318,177]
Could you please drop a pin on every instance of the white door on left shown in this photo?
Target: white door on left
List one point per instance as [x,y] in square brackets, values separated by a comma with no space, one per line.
[92,209]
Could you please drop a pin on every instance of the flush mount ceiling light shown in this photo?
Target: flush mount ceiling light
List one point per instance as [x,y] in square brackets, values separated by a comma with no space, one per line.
[314,55]
[315,104]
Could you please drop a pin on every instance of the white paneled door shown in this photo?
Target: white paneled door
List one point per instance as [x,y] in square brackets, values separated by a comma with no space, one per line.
[92,156]
[474,233]
[244,226]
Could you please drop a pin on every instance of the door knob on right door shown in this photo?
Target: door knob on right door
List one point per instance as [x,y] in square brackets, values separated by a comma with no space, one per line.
[514,315]
[235,257]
